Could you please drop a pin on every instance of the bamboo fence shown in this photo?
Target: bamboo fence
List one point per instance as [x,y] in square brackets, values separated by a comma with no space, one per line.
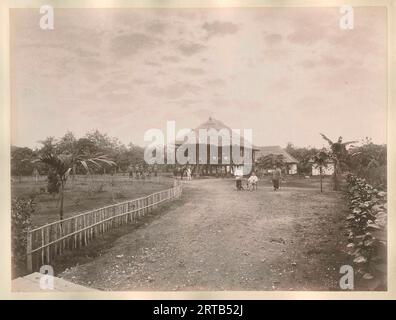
[53,239]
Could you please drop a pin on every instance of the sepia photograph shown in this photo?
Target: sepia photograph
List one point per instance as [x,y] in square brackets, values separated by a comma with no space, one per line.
[202,148]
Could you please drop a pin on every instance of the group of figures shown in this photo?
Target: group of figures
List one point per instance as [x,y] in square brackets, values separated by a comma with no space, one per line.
[140,172]
[183,171]
[252,181]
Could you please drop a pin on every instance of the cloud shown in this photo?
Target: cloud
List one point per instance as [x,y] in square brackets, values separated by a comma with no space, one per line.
[157,27]
[188,48]
[142,81]
[130,44]
[220,28]
[273,38]
[115,87]
[172,59]
[151,63]
[275,55]
[325,61]
[117,97]
[76,51]
[192,71]
[203,113]
[175,90]
[331,61]
[308,64]
[217,82]
[306,36]
[185,103]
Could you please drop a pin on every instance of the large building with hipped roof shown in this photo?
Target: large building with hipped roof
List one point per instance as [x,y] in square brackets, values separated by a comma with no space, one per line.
[221,143]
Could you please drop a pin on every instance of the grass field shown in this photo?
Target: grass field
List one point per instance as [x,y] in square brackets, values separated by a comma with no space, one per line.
[84,193]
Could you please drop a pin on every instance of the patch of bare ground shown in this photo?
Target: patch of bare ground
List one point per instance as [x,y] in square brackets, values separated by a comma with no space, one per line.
[216,238]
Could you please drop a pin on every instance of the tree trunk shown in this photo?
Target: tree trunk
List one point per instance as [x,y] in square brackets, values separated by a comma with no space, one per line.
[321,179]
[335,177]
[61,201]
[74,171]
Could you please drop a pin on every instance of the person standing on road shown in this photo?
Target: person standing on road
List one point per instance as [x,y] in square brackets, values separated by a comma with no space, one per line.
[188,173]
[238,178]
[276,177]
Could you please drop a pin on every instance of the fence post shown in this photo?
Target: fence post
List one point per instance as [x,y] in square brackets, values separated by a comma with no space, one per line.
[29,251]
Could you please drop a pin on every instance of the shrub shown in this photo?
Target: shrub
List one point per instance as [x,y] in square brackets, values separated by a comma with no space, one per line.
[366,227]
[369,161]
[21,211]
[377,177]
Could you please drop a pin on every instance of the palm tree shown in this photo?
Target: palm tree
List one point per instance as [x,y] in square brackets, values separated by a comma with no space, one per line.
[320,159]
[338,154]
[62,165]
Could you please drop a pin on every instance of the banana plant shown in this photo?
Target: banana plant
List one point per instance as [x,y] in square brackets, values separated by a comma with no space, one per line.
[63,164]
[338,154]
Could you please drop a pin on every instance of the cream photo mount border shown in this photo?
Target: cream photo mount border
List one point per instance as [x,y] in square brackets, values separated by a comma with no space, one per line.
[5,197]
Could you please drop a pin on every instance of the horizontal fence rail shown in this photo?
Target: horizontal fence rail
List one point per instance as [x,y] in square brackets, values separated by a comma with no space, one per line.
[53,239]
[94,177]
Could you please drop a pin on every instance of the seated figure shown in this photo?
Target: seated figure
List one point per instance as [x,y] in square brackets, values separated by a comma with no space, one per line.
[252,182]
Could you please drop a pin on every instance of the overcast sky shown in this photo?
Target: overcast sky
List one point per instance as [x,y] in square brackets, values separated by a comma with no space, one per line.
[288,74]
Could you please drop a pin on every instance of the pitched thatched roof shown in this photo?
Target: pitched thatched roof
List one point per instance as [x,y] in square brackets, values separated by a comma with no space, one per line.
[216,126]
[265,151]
[212,123]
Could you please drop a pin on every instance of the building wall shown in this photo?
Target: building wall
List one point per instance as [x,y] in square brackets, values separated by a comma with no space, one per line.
[292,168]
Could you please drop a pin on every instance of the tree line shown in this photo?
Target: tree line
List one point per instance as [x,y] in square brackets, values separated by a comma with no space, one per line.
[362,158]
[92,145]
[366,160]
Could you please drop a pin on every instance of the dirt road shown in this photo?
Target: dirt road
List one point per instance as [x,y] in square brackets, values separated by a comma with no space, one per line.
[216,238]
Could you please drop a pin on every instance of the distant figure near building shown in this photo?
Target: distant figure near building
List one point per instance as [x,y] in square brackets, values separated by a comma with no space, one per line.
[276,176]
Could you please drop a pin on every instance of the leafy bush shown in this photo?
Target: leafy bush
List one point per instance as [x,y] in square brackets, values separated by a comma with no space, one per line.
[21,211]
[377,177]
[369,161]
[366,227]
[21,164]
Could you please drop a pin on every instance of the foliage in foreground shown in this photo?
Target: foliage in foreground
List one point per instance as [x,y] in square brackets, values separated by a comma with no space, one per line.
[369,161]
[366,226]
[21,212]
